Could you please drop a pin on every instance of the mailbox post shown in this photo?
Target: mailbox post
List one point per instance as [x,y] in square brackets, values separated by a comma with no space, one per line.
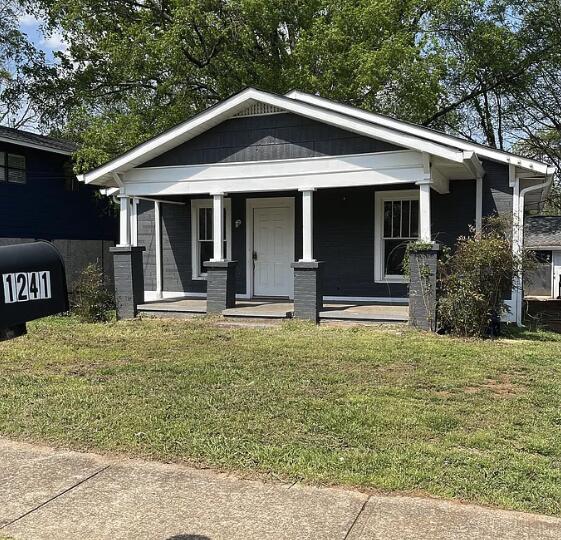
[33,285]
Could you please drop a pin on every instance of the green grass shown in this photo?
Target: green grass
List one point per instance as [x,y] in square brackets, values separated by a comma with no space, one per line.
[386,409]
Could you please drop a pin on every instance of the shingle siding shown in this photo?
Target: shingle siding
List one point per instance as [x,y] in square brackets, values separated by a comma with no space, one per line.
[258,138]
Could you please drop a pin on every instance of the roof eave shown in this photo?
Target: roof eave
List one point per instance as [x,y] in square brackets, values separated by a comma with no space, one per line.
[36,146]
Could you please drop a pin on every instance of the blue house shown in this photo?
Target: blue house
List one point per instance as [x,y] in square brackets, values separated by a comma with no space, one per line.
[301,206]
[40,198]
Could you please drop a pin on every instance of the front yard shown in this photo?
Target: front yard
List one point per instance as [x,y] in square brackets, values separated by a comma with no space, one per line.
[386,409]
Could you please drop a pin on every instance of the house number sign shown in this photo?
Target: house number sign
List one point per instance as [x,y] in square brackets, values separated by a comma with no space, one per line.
[26,286]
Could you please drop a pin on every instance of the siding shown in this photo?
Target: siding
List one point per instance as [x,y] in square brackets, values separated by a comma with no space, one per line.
[43,208]
[453,213]
[497,194]
[146,238]
[278,136]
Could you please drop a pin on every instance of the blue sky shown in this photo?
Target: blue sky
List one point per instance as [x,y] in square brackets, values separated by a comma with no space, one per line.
[51,43]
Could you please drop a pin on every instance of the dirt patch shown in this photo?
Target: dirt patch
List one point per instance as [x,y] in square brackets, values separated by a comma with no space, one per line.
[502,387]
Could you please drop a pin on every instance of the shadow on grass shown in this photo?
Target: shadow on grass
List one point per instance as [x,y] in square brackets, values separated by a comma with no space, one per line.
[529,334]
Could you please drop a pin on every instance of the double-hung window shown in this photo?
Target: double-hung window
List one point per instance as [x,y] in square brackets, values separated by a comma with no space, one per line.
[12,168]
[397,224]
[202,237]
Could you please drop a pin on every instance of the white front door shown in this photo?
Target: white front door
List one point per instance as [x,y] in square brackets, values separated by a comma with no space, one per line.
[273,250]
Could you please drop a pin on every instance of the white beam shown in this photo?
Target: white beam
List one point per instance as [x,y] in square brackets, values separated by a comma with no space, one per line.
[134,222]
[424,212]
[124,222]
[218,226]
[478,204]
[307,225]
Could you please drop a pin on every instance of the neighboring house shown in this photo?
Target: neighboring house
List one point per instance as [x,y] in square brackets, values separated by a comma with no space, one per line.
[542,234]
[40,198]
[245,198]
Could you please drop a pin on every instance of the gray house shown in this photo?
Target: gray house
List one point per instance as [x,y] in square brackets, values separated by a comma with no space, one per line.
[266,199]
[542,234]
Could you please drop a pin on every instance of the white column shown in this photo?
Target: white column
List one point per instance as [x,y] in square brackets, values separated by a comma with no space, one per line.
[218,226]
[516,293]
[124,221]
[307,225]
[424,212]
[134,222]
[478,204]
[158,246]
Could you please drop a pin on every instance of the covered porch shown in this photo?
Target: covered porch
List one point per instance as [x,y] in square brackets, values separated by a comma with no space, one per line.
[279,309]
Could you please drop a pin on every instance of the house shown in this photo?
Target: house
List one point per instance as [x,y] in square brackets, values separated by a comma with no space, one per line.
[299,198]
[40,198]
[542,234]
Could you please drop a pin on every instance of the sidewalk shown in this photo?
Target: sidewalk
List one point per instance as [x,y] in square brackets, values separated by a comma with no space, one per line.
[57,494]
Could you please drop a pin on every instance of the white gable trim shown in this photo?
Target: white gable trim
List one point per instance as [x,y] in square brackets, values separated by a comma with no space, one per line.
[232,106]
[419,131]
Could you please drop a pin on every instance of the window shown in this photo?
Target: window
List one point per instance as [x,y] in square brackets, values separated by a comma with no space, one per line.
[12,168]
[397,224]
[202,234]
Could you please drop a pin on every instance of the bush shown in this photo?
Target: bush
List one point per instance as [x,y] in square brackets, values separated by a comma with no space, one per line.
[92,300]
[476,278]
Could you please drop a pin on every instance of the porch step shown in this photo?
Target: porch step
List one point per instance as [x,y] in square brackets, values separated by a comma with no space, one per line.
[169,308]
[260,311]
[366,313]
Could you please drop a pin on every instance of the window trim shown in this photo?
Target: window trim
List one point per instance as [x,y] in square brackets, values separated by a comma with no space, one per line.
[196,205]
[380,198]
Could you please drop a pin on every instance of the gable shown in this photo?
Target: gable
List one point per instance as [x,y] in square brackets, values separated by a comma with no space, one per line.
[268,137]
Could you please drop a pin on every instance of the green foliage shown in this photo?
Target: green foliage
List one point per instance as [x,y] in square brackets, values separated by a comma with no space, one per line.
[476,277]
[133,69]
[92,300]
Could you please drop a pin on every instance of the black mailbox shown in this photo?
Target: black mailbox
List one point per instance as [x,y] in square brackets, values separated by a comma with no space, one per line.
[33,285]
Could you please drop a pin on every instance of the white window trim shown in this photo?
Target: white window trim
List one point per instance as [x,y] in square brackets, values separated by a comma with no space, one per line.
[197,204]
[380,198]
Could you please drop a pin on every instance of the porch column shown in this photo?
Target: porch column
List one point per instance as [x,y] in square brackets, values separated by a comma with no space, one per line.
[218,226]
[478,204]
[129,279]
[221,273]
[308,292]
[158,247]
[424,212]
[307,225]
[124,221]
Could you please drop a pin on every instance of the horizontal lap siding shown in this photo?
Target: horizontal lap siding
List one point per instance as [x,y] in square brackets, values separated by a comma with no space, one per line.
[176,247]
[453,213]
[146,238]
[497,194]
[259,138]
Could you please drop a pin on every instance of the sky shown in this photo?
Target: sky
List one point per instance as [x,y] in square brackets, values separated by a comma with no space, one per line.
[49,44]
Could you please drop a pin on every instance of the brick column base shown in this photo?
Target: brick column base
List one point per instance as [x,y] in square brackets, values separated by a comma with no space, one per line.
[308,293]
[220,285]
[422,288]
[129,279]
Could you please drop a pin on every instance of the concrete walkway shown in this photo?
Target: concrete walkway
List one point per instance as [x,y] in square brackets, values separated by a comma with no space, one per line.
[57,494]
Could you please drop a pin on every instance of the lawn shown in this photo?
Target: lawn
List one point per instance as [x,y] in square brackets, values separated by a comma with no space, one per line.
[379,408]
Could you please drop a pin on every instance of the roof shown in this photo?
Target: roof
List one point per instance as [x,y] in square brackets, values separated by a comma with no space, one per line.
[542,232]
[34,140]
[345,117]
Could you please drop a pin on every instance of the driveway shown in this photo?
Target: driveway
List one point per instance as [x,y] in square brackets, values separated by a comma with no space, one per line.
[48,493]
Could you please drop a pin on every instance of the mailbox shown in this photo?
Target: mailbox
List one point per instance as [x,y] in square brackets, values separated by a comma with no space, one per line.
[33,285]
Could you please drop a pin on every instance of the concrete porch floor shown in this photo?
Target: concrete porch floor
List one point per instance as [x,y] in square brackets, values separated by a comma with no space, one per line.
[278,309]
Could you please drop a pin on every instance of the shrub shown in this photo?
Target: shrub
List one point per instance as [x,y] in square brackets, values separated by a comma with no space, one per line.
[476,278]
[92,300]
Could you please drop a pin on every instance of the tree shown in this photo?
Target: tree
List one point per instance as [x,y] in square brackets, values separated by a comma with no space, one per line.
[16,54]
[134,68]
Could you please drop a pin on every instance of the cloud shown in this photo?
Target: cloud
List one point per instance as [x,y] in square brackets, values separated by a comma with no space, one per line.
[55,42]
[28,20]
